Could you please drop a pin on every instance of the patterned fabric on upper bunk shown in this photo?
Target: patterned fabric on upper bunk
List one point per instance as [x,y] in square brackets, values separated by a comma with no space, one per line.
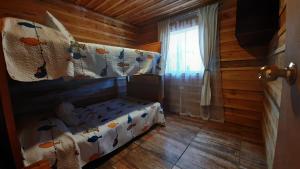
[35,52]
[98,61]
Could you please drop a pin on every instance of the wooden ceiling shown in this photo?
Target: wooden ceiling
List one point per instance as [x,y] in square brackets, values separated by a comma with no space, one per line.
[139,12]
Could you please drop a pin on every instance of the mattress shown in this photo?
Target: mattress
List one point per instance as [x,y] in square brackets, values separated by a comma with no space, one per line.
[104,127]
[34,52]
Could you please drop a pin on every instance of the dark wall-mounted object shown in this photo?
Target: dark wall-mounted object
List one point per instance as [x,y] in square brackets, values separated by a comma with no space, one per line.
[257,21]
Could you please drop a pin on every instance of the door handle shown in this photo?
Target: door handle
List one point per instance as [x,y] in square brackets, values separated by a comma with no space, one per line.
[271,73]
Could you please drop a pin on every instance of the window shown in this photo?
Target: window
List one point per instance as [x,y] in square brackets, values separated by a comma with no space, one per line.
[183,53]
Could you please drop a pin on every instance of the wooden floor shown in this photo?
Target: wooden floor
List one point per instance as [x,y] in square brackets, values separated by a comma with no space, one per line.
[187,143]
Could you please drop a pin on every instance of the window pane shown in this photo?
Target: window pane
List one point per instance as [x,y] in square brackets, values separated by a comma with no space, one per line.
[183,54]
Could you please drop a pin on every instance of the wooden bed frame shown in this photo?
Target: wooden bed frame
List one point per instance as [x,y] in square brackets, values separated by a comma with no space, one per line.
[150,85]
[146,87]
[7,109]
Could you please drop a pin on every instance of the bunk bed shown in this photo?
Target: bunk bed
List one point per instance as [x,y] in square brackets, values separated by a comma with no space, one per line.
[80,130]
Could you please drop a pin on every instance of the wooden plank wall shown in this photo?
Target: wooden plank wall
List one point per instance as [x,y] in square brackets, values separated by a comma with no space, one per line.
[46,95]
[273,89]
[242,91]
[146,87]
[148,34]
[84,25]
[154,47]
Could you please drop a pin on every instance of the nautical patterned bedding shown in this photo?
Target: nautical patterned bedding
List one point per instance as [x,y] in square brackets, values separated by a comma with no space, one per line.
[35,52]
[104,127]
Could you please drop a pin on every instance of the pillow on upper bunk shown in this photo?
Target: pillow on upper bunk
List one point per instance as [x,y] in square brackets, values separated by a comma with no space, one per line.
[35,52]
[56,24]
[65,112]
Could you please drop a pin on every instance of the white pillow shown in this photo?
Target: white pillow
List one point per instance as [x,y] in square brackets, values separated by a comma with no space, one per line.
[56,24]
[66,113]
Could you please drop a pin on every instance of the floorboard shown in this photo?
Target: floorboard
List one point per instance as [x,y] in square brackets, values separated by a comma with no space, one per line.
[189,143]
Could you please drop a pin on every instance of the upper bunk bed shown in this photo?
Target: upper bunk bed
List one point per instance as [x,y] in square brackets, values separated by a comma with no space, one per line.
[35,52]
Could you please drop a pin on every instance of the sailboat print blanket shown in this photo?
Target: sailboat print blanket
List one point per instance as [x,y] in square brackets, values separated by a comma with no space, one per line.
[35,52]
[104,127]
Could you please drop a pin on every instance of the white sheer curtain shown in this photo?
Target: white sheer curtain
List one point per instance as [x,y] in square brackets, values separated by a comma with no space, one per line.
[211,97]
[208,21]
[184,67]
[190,50]
[164,37]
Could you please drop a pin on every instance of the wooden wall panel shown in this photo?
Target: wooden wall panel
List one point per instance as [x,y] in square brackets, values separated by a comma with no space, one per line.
[239,69]
[148,34]
[240,75]
[146,87]
[244,105]
[85,25]
[46,95]
[154,47]
[240,86]
[273,89]
[242,91]
[243,95]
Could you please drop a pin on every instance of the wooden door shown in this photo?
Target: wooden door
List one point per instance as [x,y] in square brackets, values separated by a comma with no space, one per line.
[287,153]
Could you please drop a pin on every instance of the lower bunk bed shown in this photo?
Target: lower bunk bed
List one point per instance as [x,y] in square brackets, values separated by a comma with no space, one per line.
[77,136]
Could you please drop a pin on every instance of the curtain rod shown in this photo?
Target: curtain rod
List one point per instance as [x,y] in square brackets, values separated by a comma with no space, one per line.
[185,15]
[194,11]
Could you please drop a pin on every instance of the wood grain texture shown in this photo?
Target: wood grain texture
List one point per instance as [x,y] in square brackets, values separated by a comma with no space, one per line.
[146,87]
[190,143]
[47,95]
[43,164]
[140,12]
[148,34]
[273,90]
[239,66]
[287,147]
[7,110]
[242,91]
[85,25]
[154,47]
